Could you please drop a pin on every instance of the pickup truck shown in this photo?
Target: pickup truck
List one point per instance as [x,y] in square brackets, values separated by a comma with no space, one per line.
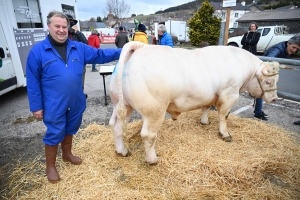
[270,35]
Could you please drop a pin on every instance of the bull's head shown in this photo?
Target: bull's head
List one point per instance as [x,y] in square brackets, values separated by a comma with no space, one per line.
[264,83]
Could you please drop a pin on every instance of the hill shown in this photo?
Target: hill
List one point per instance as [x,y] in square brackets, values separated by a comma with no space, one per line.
[262,3]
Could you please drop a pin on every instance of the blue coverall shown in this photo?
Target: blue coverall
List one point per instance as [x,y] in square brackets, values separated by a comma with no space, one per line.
[56,87]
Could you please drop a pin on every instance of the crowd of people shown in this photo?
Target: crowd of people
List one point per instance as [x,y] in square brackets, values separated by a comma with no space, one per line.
[55,77]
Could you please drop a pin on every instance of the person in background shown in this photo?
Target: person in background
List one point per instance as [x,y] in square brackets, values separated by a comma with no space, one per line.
[141,35]
[164,37]
[284,50]
[121,38]
[77,36]
[54,71]
[154,41]
[94,41]
[249,42]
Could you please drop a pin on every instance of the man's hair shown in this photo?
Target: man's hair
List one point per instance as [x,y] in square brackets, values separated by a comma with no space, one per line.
[161,28]
[57,14]
[94,31]
[295,40]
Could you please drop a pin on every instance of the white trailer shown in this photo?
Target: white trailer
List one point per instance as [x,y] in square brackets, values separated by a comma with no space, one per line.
[179,29]
[23,23]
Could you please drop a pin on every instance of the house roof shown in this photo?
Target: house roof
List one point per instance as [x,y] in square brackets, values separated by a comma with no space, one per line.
[271,15]
[128,25]
[219,6]
[286,7]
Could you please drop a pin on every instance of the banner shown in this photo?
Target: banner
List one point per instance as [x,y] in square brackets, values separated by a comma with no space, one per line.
[108,39]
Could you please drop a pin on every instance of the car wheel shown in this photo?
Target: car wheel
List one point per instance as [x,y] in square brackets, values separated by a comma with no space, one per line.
[233,44]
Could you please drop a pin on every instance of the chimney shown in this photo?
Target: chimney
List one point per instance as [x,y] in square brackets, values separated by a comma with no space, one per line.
[243,3]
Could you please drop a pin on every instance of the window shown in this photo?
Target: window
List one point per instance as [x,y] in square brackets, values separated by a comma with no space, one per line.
[265,31]
[27,13]
[236,15]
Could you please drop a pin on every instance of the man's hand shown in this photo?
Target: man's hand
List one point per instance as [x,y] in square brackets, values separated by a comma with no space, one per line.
[38,114]
[75,27]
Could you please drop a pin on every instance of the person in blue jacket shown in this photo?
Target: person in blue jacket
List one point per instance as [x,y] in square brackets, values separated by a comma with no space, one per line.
[284,50]
[54,84]
[164,37]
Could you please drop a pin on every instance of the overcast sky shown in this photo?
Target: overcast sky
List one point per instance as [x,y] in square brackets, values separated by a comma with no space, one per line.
[94,8]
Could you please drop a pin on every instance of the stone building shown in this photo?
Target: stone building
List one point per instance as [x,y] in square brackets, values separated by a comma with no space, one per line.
[287,17]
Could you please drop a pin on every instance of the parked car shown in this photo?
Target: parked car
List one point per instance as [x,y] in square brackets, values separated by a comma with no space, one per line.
[237,31]
[270,35]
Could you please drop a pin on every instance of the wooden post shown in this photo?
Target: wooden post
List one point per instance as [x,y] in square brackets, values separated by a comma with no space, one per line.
[226,26]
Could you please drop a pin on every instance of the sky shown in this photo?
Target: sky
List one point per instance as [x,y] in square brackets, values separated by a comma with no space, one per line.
[94,8]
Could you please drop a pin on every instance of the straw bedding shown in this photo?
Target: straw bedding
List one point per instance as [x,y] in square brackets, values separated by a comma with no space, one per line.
[262,162]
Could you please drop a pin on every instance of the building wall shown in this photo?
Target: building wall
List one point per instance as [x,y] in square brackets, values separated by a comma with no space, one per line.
[234,15]
[293,26]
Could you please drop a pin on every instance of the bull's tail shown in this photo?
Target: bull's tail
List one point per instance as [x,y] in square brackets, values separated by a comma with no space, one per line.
[127,50]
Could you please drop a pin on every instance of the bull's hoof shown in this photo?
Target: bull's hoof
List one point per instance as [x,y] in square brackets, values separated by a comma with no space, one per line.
[153,164]
[226,139]
[126,155]
[204,123]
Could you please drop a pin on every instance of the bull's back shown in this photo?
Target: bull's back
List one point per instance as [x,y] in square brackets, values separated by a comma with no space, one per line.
[185,77]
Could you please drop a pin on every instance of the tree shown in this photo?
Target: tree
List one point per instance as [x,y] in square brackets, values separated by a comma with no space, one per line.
[204,26]
[119,9]
[99,19]
[133,15]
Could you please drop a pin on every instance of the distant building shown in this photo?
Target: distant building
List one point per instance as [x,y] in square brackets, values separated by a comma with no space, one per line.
[235,12]
[287,17]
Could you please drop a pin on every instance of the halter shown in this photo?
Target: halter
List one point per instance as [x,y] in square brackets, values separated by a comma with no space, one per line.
[264,91]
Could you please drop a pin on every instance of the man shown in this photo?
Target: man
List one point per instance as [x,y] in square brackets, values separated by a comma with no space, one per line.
[164,37]
[54,85]
[76,35]
[284,50]
[121,38]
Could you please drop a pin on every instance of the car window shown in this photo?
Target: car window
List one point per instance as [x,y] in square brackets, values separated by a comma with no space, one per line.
[259,30]
[266,31]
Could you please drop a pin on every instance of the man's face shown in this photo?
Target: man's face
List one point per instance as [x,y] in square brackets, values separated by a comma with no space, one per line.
[58,29]
[292,48]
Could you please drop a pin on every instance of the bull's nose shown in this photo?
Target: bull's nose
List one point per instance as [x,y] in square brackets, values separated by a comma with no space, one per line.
[273,101]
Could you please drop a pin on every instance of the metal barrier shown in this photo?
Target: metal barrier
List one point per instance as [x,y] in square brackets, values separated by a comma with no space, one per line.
[280,60]
[287,62]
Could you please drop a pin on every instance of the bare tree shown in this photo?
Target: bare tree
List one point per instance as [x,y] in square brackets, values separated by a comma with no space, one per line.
[119,9]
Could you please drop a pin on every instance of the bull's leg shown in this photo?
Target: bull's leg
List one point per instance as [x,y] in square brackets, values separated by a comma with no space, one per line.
[224,105]
[204,118]
[149,134]
[117,131]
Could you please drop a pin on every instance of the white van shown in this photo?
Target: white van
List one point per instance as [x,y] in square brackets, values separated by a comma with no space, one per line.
[23,23]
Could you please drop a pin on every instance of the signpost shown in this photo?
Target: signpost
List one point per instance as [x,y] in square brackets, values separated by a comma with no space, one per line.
[227,4]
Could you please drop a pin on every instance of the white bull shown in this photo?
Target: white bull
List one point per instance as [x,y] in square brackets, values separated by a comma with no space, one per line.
[154,79]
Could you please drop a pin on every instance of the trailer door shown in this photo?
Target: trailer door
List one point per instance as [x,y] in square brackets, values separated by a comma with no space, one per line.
[7,74]
[182,27]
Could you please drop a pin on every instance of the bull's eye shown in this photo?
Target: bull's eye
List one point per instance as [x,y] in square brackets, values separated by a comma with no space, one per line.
[268,82]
